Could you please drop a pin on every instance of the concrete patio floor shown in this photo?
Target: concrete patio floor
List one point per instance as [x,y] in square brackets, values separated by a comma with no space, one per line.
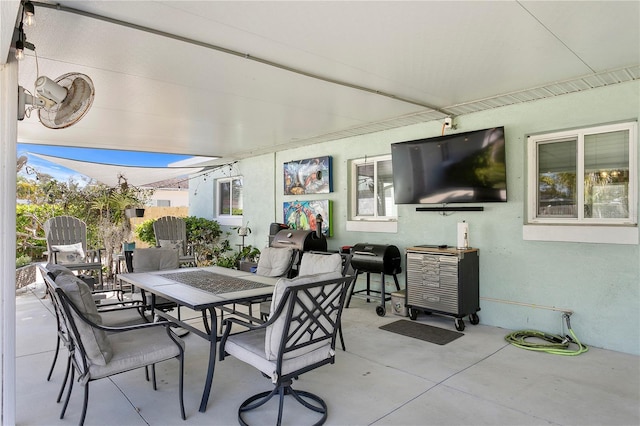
[381,379]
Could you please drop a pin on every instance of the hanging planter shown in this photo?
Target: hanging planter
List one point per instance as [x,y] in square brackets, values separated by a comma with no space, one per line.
[134,213]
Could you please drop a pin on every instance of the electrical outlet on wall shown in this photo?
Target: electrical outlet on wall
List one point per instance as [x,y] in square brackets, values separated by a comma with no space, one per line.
[448,123]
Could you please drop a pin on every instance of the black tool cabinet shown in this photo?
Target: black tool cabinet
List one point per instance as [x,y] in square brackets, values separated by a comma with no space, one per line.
[443,281]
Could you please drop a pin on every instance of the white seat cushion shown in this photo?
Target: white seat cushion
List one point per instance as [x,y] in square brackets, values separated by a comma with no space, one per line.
[274,262]
[249,348]
[313,263]
[135,349]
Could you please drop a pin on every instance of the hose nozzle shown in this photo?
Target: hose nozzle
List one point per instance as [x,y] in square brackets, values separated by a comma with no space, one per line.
[567,316]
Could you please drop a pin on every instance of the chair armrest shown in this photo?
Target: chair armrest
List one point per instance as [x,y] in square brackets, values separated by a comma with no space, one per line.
[161,323]
[95,255]
[227,323]
[120,306]
[54,254]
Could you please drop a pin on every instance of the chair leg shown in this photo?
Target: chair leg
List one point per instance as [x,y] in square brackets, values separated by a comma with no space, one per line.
[64,381]
[283,390]
[344,348]
[66,401]
[55,358]
[352,288]
[298,396]
[280,404]
[84,404]
[153,376]
[181,387]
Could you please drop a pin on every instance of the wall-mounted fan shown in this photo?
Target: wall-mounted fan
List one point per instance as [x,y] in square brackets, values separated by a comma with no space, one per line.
[60,103]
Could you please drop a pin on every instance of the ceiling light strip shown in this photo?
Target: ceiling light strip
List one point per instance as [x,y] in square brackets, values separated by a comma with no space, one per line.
[238,54]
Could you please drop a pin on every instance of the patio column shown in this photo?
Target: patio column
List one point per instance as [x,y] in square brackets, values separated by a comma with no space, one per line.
[8,140]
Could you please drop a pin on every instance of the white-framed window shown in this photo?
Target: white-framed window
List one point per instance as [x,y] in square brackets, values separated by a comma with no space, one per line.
[372,198]
[583,177]
[229,200]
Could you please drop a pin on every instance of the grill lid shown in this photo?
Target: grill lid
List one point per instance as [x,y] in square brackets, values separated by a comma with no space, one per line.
[299,240]
[376,258]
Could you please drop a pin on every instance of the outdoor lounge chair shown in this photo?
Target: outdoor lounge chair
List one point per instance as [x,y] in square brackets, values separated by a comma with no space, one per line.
[299,337]
[67,245]
[171,232]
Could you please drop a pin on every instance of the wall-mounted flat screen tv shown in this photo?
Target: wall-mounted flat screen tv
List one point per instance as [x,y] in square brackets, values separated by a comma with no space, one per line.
[460,168]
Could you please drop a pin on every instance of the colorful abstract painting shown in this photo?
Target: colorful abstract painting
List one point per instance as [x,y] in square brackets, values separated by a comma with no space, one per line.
[310,176]
[302,215]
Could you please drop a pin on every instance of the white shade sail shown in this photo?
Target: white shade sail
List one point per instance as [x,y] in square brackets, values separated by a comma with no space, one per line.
[109,173]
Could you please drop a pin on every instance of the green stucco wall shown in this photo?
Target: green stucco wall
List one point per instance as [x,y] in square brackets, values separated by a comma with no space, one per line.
[599,282]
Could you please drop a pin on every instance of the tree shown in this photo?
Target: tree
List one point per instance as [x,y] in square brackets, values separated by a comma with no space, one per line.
[100,206]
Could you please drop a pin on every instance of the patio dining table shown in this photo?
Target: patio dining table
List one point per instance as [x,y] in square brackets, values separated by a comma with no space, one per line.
[202,289]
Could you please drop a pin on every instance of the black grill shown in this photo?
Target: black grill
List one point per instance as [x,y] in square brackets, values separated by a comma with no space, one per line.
[299,240]
[376,258]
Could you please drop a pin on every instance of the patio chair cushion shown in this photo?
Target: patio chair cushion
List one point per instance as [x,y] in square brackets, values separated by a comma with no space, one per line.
[155,259]
[172,244]
[273,333]
[274,262]
[94,340]
[56,270]
[68,253]
[313,263]
[248,347]
[137,348]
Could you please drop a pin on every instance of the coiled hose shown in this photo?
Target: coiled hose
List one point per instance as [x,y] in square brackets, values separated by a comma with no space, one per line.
[555,344]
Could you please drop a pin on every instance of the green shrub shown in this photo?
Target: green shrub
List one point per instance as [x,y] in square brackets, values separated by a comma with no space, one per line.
[203,235]
[23,261]
[232,259]
[144,232]
[30,239]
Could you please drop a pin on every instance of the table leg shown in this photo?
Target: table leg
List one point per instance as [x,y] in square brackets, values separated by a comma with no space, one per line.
[212,360]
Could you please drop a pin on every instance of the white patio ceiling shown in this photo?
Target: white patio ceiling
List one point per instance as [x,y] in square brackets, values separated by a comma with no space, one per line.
[301,72]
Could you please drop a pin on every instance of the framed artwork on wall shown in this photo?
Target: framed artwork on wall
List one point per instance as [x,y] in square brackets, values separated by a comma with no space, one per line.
[302,215]
[309,176]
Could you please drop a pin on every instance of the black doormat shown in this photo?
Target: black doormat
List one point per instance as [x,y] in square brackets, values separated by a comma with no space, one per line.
[425,332]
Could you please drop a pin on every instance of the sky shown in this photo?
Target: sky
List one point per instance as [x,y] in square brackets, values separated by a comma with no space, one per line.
[106,156]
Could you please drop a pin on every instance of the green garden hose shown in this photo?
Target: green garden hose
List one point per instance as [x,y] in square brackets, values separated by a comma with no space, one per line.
[555,344]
